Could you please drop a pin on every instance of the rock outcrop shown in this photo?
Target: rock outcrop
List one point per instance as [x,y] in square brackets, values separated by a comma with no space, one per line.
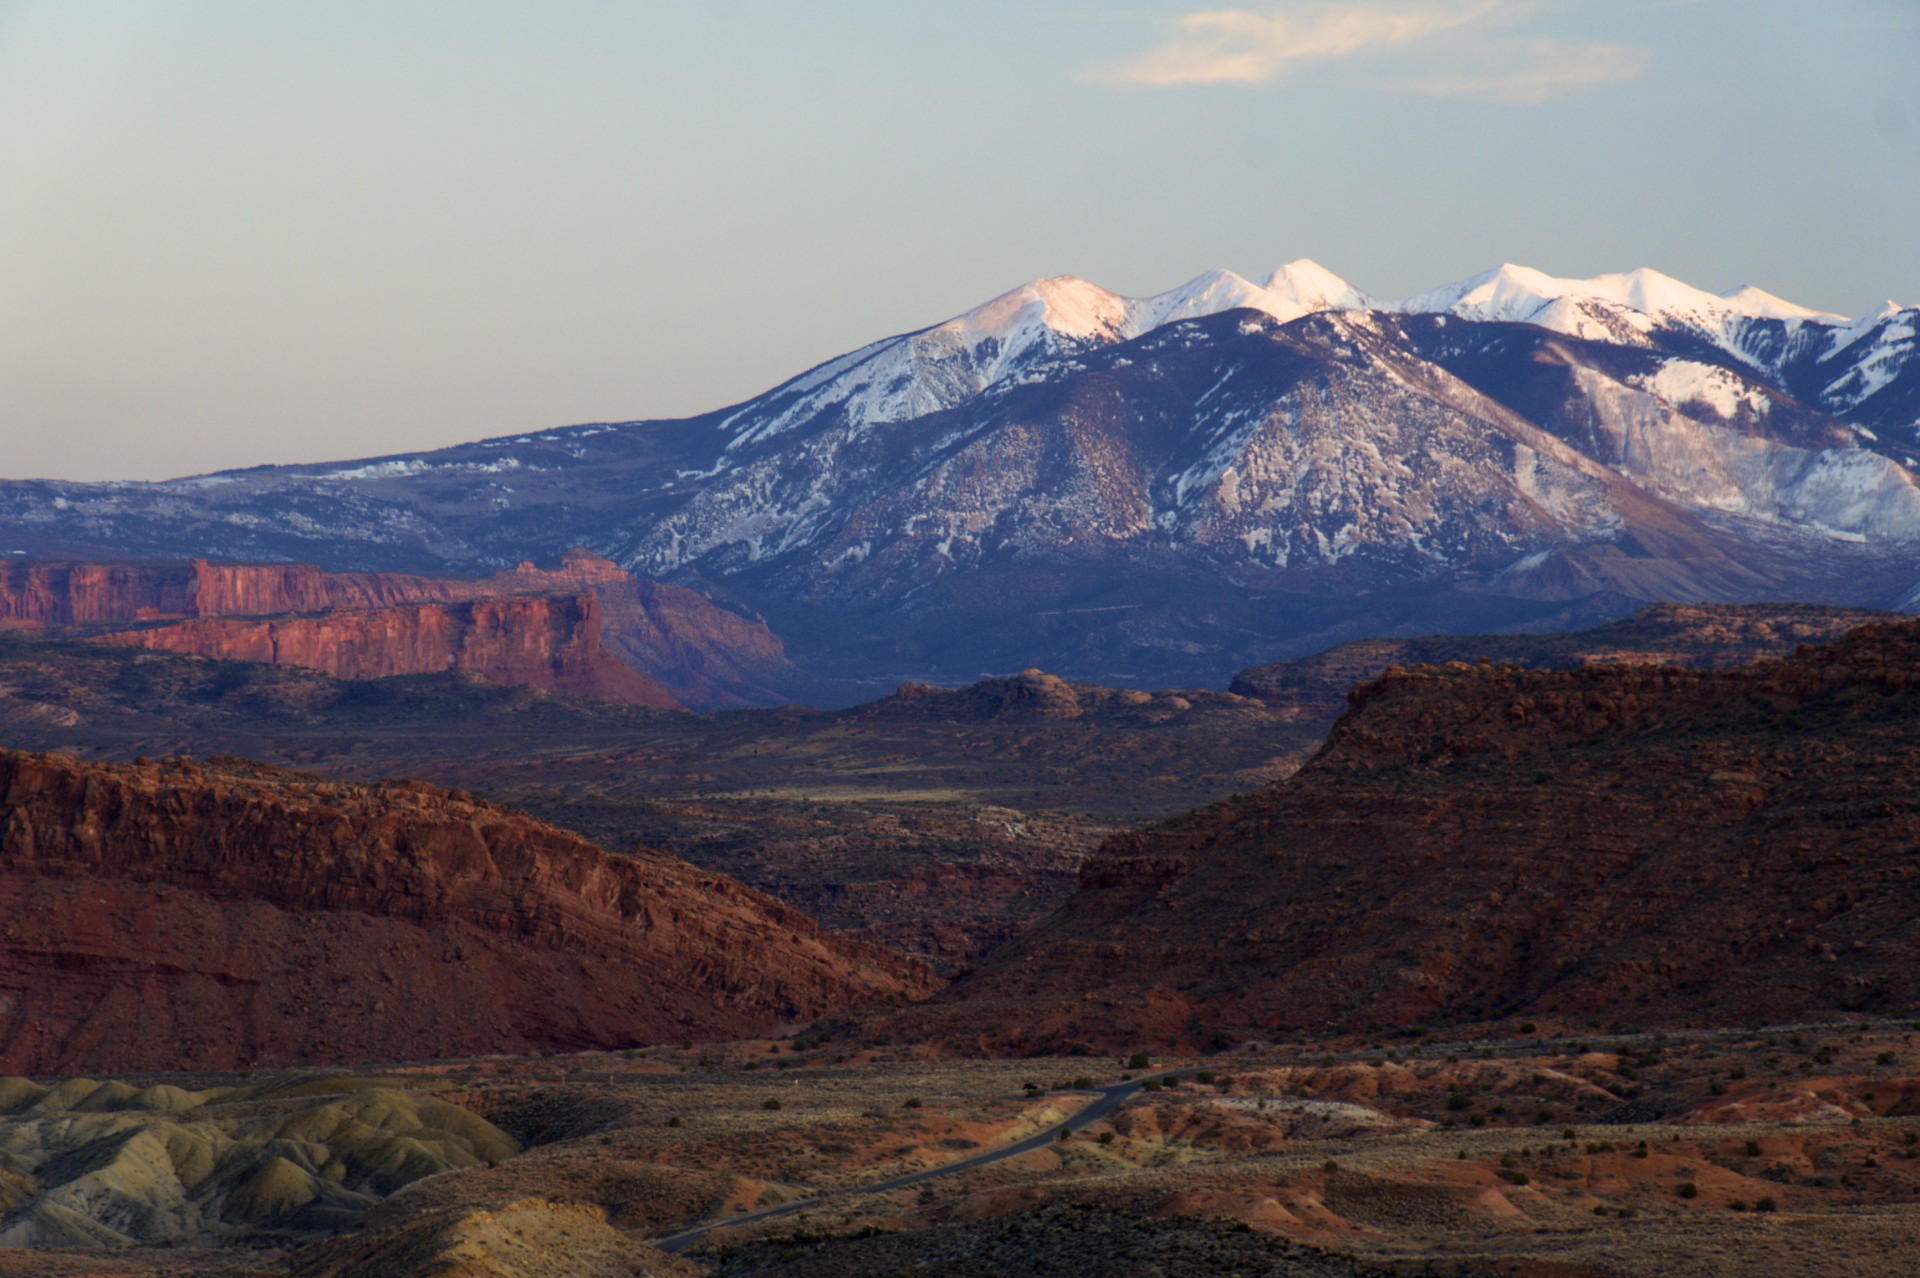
[41,595]
[176,916]
[1618,844]
[685,650]
[551,642]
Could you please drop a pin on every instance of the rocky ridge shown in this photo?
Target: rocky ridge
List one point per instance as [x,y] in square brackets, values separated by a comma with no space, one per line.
[177,915]
[1614,844]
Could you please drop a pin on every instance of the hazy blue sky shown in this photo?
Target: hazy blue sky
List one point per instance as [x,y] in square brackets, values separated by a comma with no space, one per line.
[239,232]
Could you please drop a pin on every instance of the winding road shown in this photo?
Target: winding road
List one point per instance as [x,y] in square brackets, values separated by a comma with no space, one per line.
[1107,1099]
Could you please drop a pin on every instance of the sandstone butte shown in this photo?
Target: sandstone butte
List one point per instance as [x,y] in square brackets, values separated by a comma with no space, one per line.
[600,633]
[180,916]
[1614,846]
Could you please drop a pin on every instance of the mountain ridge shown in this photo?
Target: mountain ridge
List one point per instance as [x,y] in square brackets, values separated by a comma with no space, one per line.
[1250,481]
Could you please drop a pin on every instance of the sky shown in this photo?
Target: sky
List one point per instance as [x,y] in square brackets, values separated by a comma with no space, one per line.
[235,233]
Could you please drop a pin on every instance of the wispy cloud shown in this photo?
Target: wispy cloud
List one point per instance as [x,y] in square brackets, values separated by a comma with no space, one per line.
[1234,46]
[1239,46]
[1539,70]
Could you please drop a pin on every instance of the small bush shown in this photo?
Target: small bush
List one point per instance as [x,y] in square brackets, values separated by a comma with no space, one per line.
[1753,1149]
[1688,1189]
[1766,1204]
[1516,1177]
[1885,1058]
[1139,1060]
[674,1121]
[770,1103]
[911,1102]
[1151,1085]
[1106,1138]
[1330,1167]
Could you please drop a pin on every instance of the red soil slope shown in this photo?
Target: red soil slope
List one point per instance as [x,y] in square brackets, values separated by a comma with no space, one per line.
[176,916]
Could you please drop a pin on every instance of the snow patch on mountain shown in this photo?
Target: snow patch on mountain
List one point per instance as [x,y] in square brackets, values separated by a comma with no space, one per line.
[1683,382]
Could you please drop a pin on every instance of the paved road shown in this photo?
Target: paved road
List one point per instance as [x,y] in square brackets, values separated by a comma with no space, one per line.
[1107,1099]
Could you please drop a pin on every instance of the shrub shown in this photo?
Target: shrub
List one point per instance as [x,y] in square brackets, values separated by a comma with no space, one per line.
[770,1103]
[1459,1101]
[674,1121]
[1106,1138]
[1516,1177]
[1765,1204]
[1139,1060]
[912,1102]
[1151,1085]
[1688,1189]
[1885,1058]
[1330,1167]
[1753,1149]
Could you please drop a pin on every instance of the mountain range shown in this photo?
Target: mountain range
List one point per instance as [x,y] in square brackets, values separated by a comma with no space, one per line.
[1160,490]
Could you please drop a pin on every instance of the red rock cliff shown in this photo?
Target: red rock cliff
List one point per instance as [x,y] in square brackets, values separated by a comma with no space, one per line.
[698,654]
[184,917]
[36,596]
[551,642]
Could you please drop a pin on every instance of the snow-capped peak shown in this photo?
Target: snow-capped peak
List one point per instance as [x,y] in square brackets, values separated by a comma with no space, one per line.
[1313,288]
[1073,308]
[1749,300]
[1064,304]
[1522,294]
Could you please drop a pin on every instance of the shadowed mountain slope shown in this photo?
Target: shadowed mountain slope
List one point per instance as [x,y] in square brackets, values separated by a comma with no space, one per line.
[1638,844]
